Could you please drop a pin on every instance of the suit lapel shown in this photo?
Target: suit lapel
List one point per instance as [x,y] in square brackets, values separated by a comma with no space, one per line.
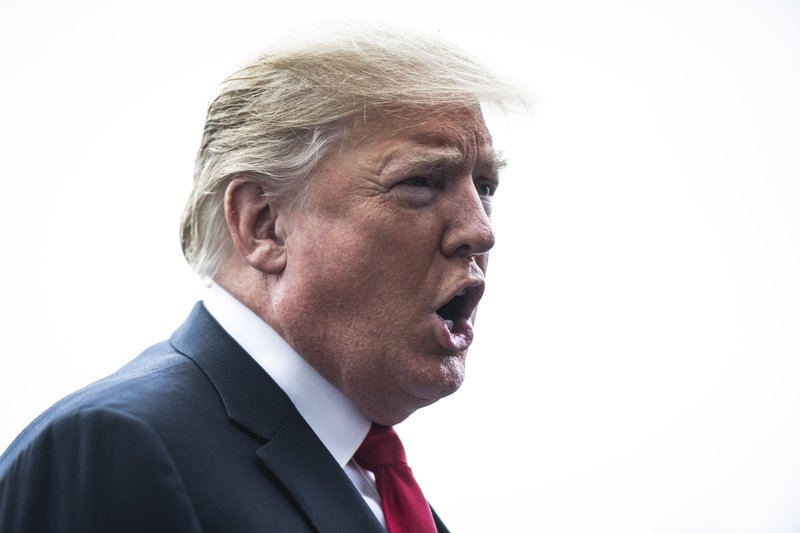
[256,404]
[316,481]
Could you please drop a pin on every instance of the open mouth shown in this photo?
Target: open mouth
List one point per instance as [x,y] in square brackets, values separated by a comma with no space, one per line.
[457,312]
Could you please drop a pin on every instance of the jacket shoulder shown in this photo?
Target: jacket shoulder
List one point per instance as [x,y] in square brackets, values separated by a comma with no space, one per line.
[94,468]
[146,387]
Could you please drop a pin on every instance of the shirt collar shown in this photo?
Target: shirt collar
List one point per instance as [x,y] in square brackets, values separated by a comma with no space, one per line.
[331,415]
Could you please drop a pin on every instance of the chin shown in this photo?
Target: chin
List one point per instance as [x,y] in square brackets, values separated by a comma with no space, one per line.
[433,385]
[416,394]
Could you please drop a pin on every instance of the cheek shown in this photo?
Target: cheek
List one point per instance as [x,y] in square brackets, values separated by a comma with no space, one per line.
[367,266]
[392,249]
[339,273]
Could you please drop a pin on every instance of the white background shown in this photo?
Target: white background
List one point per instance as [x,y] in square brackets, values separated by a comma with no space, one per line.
[638,352]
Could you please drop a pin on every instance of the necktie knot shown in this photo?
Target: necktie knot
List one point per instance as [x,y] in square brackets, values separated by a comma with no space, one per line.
[381,447]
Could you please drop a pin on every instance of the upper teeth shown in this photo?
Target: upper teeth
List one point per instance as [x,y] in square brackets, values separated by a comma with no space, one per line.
[462,292]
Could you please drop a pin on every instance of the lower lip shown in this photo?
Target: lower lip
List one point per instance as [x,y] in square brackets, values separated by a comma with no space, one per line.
[457,340]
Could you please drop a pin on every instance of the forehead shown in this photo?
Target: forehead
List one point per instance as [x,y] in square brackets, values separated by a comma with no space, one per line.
[448,137]
[460,128]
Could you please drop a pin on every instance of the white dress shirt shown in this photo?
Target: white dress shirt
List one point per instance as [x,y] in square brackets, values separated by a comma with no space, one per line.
[331,415]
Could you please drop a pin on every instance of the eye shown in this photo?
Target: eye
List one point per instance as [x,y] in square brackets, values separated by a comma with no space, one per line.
[417,181]
[416,191]
[485,189]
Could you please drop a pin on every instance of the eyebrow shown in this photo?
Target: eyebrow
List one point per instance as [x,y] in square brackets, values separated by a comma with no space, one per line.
[437,159]
[495,160]
[489,159]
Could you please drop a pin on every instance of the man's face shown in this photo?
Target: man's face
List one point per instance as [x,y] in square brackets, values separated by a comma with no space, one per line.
[385,263]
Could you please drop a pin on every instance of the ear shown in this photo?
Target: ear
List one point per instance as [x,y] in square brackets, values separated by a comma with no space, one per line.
[252,221]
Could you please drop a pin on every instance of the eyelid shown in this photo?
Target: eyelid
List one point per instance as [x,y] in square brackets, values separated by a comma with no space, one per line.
[492,182]
[431,176]
[426,179]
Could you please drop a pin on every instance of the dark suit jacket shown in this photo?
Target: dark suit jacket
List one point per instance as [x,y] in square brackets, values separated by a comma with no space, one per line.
[190,436]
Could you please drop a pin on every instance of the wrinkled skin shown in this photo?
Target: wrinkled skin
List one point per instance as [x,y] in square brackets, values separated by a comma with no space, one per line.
[394,225]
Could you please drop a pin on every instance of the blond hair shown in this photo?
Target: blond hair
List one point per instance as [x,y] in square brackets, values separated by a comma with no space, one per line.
[276,117]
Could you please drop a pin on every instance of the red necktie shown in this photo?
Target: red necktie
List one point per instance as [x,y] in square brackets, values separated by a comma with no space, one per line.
[404,507]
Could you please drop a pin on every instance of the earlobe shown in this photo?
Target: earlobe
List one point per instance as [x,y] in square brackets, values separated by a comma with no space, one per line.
[252,218]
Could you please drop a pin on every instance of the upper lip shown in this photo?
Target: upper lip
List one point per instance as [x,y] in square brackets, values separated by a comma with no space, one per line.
[471,291]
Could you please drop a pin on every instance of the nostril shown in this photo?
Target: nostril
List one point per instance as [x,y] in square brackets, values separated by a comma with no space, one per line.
[478,243]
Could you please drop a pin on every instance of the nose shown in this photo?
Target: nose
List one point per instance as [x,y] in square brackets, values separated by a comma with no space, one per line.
[470,231]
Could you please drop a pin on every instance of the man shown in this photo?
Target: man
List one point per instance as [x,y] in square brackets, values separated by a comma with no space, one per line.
[341,209]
